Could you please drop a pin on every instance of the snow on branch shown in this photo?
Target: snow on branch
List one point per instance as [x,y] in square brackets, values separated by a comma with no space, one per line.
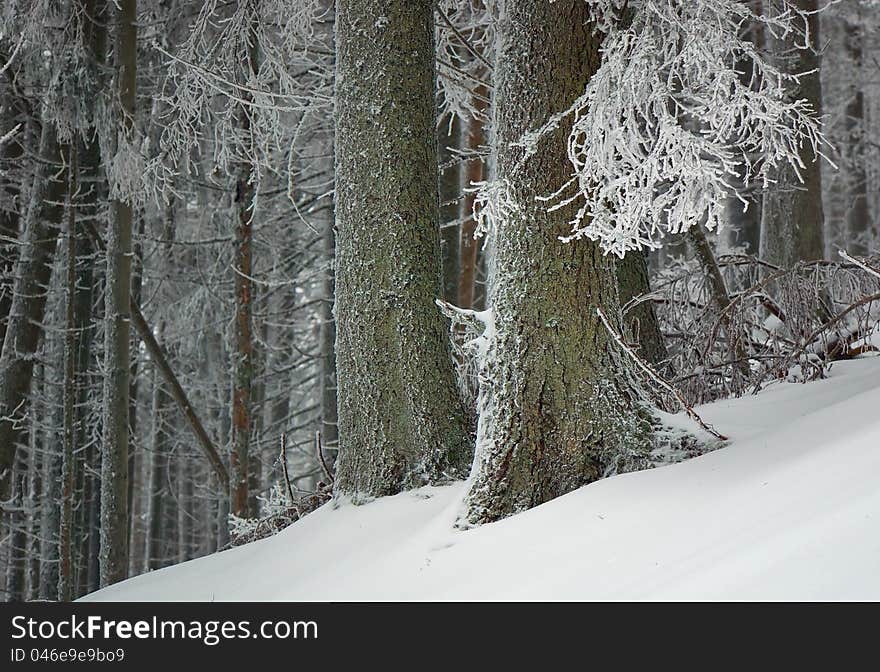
[669,121]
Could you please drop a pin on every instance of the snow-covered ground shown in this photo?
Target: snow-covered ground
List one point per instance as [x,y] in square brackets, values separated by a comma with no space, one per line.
[790,510]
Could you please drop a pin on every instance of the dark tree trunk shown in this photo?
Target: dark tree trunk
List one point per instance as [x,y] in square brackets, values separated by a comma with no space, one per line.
[117,332]
[641,320]
[32,273]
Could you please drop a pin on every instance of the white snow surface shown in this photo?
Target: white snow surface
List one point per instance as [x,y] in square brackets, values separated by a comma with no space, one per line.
[789,510]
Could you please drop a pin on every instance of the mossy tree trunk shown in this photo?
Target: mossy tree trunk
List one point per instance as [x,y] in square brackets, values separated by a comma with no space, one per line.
[400,422]
[559,407]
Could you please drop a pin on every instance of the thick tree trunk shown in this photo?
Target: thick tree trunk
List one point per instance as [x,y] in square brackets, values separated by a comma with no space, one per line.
[641,321]
[400,422]
[558,405]
[114,457]
[32,273]
[792,222]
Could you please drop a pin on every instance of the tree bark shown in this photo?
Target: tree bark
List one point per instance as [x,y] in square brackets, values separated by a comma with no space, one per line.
[792,221]
[117,321]
[400,422]
[559,408]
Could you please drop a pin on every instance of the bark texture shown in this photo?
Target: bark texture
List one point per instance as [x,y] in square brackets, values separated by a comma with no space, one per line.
[558,407]
[792,221]
[117,329]
[400,422]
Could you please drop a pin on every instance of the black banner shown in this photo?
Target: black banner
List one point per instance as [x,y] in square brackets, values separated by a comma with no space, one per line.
[123,635]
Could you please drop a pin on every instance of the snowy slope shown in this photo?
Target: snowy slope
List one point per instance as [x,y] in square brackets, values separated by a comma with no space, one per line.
[790,510]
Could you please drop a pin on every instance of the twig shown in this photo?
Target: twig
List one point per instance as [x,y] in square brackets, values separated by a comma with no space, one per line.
[284,467]
[320,449]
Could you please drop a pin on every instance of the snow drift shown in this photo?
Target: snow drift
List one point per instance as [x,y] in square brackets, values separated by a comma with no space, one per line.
[788,511]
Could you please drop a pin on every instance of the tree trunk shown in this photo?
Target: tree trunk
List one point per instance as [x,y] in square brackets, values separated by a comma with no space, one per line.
[158,474]
[114,457]
[450,137]
[243,358]
[9,214]
[32,273]
[792,222]
[857,215]
[69,434]
[641,321]
[475,173]
[400,422]
[558,406]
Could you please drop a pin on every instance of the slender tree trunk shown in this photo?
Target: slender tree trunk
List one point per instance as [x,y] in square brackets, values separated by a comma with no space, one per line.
[475,173]
[9,215]
[32,274]
[559,407]
[17,540]
[135,487]
[243,359]
[35,503]
[114,458]
[68,468]
[792,223]
[857,214]
[400,421]
[158,471]
[450,137]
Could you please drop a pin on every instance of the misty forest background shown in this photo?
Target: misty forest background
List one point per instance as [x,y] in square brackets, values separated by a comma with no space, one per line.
[183,182]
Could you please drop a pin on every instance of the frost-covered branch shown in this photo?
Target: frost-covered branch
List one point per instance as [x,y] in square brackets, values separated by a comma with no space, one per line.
[668,123]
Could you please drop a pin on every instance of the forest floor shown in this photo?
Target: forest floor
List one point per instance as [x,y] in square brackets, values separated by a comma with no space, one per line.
[789,510]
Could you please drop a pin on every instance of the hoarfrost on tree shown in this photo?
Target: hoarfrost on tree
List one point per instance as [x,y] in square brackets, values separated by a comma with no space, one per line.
[668,123]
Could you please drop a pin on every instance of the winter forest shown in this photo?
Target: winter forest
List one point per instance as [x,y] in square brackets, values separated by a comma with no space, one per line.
[260,257]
